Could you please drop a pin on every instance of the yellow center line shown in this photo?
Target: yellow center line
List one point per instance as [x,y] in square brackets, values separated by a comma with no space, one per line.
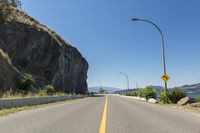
[103,121]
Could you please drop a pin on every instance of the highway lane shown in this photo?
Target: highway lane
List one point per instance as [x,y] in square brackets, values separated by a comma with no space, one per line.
[129,116]
[122,115]
[82,116]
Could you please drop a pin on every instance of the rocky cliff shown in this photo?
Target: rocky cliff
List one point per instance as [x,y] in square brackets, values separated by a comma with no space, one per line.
[31,47]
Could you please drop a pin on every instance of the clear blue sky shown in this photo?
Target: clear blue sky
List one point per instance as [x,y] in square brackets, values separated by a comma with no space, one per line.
[103,33]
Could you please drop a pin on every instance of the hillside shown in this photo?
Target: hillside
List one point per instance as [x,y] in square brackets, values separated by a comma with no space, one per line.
[32,47]
[158,89]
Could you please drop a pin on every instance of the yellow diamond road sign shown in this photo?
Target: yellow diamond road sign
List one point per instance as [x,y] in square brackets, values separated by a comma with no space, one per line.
[165,77]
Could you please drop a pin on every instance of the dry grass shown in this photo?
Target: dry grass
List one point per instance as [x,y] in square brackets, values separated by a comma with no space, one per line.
[185,107]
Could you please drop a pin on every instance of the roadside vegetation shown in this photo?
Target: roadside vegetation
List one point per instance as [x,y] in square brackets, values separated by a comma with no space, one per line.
[26,84]
[174,95]
[174,98]
[26,89]
[147,93]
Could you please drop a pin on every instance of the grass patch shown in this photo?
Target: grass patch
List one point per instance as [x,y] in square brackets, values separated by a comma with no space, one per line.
[42,93]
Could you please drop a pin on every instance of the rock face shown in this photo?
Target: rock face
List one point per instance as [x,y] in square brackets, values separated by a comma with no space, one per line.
[33,48]
[8,75]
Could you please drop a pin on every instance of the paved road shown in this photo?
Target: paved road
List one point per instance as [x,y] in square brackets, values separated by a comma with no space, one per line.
[85,116]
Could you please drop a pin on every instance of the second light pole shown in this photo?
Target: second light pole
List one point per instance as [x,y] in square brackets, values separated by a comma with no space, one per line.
[126,78]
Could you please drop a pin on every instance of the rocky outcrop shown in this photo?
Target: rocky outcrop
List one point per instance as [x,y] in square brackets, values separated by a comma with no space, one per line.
[33,48]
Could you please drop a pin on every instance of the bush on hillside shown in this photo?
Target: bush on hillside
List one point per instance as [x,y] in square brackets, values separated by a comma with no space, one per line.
[176,94]
[26,83]
[49,90]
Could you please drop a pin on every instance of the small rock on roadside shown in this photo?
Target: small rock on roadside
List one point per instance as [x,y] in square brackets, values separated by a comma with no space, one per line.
[153,101]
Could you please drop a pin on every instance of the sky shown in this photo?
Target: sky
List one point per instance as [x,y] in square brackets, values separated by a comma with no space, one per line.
[103,32]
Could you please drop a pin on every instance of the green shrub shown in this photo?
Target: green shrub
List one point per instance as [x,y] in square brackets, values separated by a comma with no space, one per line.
[197,99]
[141,92]
[176,94]
[26,83]
[163,97]
[147,93]
[49,90]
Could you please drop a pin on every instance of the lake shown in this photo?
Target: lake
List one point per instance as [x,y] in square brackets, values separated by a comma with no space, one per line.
[193,94]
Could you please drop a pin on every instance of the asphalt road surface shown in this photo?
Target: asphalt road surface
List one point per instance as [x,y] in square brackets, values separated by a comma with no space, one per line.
[90,115]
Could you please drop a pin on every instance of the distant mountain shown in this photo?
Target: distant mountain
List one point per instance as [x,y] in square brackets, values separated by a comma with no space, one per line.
[191,88]
[158,89]
[108,89]
[125,91]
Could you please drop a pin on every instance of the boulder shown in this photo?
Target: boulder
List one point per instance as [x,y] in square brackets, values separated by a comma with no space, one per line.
[185,101]
[34,48]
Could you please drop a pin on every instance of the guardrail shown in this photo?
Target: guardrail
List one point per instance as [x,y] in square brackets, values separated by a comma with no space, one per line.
[21,102]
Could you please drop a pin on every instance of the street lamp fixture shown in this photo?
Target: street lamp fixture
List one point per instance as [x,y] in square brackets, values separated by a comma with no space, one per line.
[165,77]
[126,79]
[134,19]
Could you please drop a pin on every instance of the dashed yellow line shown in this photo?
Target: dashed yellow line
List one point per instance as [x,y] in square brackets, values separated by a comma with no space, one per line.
[103,121]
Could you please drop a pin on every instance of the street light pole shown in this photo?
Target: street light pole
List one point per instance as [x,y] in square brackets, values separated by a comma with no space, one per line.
[100,83]
[126,75]
[162,43]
